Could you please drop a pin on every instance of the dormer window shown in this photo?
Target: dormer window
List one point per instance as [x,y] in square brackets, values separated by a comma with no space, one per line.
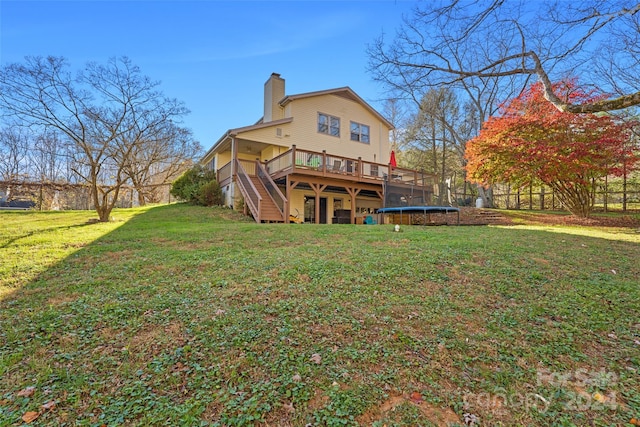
[359,132]
[329,125]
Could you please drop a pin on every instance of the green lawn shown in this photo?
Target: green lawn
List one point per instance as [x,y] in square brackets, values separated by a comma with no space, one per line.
[179,315]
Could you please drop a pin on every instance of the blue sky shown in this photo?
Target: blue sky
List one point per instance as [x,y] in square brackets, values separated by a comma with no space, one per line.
[213,55]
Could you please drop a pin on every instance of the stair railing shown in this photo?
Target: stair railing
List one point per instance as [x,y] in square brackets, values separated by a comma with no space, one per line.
[278,198]
[253,199]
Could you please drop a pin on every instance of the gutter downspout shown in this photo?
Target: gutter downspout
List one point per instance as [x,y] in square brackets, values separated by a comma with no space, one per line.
[234,177]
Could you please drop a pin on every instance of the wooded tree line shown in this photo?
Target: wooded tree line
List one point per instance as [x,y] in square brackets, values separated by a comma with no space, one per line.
[453,64]
[106,126]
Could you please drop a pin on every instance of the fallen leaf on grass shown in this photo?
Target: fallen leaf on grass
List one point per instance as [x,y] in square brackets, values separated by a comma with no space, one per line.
[416,397]
[635,422]
[316,358]
[27,392]
[48,405]
[289,407]
[30,416]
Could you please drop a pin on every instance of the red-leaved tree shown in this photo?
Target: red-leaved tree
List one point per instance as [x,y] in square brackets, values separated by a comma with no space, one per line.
[531,141]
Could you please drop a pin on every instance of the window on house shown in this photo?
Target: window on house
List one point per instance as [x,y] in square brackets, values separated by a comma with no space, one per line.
[328,124]
[359,132]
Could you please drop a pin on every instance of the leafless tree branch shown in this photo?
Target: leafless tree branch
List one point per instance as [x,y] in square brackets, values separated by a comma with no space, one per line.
[547,43]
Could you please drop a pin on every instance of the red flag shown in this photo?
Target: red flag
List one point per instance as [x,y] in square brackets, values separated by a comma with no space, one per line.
[392,160]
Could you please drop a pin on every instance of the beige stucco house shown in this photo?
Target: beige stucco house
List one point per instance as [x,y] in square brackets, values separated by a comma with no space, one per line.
[320,156]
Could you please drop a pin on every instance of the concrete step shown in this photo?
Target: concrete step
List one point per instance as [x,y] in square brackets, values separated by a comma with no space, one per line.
[477,216]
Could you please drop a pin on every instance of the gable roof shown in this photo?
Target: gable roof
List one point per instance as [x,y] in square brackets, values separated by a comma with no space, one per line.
[344,92]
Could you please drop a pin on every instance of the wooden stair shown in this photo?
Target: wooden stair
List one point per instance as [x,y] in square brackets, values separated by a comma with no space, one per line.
[270,212]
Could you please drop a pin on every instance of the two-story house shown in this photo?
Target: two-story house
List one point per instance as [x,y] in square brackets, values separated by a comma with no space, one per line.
[319,156]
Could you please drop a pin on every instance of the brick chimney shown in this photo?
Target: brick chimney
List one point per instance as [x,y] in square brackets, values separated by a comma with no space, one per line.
[273,93]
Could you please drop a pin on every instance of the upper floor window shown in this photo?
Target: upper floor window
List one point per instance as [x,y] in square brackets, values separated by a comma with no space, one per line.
[359,132]
[328,124]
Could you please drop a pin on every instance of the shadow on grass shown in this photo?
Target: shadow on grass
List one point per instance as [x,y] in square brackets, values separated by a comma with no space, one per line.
[84,233]
[44,230]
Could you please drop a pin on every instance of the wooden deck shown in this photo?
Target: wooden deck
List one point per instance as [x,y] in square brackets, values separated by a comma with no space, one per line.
[323,172]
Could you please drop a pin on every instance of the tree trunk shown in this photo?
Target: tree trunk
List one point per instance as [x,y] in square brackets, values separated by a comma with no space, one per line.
[444,160]
[577,200]
[103,213]
[624,186]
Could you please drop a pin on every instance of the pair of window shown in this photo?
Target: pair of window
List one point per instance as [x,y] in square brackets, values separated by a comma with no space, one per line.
[330,125]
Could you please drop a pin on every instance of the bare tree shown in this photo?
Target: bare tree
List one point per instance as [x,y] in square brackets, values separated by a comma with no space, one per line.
[47,157]
[432,142]
[395,112]
[105,112]
[159,159]
[14,153]
[449,42]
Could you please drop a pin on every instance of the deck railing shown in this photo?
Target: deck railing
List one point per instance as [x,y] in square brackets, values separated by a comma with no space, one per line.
[280,163]
[321,163]
[328,164]
[224,174]
[407,176]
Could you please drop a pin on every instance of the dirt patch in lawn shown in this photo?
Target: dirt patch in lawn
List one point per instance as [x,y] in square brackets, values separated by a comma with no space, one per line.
[441,417]
[152,339]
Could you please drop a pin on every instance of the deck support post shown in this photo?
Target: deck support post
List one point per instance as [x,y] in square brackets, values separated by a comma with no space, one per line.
[353,192]
[317,189]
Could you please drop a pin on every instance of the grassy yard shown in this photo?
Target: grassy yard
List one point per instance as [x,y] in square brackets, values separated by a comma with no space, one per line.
[179,315]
